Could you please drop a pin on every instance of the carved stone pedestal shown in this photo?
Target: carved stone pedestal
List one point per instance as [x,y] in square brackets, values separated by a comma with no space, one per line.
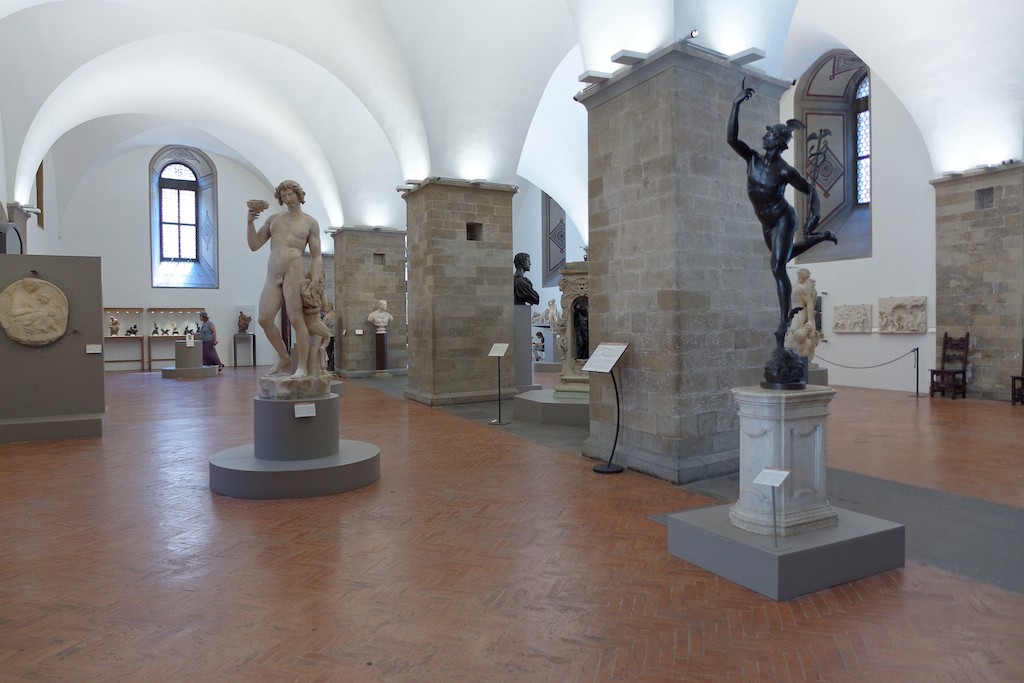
[783,430]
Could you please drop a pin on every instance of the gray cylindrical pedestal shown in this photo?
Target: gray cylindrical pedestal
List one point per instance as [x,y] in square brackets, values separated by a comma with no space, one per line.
[297,454]
[282,432]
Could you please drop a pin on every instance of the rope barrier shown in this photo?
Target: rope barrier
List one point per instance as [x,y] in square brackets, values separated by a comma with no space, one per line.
[865,367]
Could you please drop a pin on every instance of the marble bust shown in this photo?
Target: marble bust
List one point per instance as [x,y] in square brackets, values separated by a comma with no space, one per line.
[380,317]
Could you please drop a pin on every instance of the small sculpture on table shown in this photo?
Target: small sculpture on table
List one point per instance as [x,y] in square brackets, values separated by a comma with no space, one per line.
[156,329]
[174,329]
[115,325]
[243,322]
[767,177]
[522,288]
[132,331]
[188,330]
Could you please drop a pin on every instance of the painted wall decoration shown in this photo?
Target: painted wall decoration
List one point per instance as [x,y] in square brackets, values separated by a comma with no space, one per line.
[852,318]
[903,315]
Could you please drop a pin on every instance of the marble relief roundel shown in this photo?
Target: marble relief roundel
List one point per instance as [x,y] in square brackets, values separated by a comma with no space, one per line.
[33,312]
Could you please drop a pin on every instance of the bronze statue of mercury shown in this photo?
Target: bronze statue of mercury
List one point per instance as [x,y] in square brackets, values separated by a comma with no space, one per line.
[767,177]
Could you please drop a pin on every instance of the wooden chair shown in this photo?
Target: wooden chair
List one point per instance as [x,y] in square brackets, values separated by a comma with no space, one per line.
[952,373]
[1017,383]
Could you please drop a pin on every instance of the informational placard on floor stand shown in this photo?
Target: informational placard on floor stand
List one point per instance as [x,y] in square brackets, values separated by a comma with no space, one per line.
[603,359]
[497,351]
[773,477]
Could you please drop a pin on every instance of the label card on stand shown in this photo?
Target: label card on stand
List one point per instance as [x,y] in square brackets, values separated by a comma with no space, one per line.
[771,476]
[190,341]
[498,350]
[605,356]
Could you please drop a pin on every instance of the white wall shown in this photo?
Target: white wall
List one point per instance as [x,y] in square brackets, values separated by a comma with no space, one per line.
[902,261]
[108,216]
[526,236]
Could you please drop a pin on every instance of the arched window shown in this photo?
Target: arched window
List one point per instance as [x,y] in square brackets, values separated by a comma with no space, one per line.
[179,234]
[862,115]
[833,101]
[183,218]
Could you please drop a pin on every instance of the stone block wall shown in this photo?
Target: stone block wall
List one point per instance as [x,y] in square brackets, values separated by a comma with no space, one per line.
[369,264]
[460,290]
[678,265]
[979,272]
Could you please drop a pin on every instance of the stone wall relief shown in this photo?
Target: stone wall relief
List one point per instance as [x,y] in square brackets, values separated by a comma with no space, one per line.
[902,315]
[33,312]
[851,318]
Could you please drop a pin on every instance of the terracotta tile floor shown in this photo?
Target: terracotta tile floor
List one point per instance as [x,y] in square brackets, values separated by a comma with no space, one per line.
[478,556]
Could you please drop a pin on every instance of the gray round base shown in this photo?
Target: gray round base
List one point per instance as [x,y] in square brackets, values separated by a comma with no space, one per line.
[238,473]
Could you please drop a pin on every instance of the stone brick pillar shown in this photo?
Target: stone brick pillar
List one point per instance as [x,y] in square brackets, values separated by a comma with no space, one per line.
[979,272]
[369,264]
[460,290]
[678,265]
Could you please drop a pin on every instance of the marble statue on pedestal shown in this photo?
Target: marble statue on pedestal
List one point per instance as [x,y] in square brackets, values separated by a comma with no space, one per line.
[380,317]
[803,335]
[115,326]
[289,233]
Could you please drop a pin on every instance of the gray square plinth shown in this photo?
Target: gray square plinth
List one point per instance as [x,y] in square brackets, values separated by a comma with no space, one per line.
[859,546]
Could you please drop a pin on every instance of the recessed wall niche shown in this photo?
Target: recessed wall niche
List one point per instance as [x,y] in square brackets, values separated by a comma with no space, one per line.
[474,232]
[984,198]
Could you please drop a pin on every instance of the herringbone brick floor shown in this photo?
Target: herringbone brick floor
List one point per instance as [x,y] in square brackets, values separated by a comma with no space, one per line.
[478,556]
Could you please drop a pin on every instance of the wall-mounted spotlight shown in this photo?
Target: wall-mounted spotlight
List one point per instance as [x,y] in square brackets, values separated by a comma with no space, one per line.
[693,34]
[751,54]
[593,77]
[629,57]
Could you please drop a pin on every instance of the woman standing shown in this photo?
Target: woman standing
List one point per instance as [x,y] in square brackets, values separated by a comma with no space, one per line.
[207,332]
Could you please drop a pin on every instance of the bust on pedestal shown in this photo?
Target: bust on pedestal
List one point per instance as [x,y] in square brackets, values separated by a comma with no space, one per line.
[380,318]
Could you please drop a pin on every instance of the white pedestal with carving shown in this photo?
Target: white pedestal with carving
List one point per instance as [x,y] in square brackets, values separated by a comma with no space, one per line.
[783,430]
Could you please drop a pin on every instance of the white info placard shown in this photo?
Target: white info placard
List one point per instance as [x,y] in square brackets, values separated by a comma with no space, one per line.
[305,410]
[605,356]
[771,476]
[498,350]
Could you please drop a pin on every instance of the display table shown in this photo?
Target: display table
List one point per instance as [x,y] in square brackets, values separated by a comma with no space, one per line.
[250,340]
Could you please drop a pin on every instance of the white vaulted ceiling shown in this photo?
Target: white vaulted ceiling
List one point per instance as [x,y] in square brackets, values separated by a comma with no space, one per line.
[353,97]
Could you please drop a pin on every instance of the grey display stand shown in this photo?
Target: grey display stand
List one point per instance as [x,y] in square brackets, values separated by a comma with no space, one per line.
[188,362]
[523,348]
[857,547]
[296,454]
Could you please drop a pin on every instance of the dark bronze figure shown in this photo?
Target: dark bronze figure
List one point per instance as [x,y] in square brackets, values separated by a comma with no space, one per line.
[523,290]
[767,177]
